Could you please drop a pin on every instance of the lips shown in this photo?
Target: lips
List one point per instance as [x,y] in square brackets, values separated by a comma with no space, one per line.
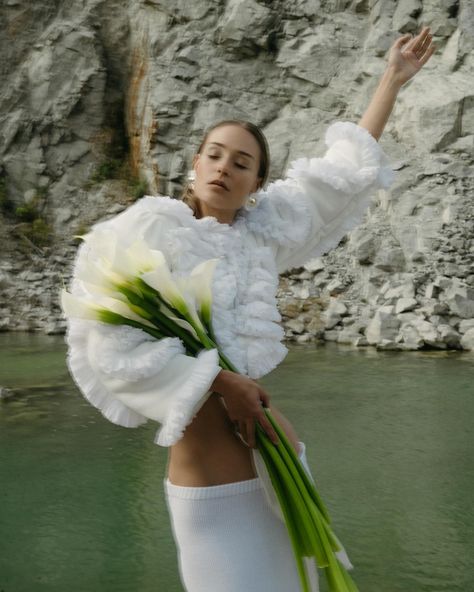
[219,183]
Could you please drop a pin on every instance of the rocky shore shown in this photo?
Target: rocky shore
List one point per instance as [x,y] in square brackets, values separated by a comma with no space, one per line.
[105,101]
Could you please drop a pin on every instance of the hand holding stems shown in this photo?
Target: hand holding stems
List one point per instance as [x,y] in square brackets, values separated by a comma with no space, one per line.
[244,398]
[406,57]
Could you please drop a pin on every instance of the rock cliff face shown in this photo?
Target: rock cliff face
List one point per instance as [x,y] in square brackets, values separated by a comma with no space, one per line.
[103,101]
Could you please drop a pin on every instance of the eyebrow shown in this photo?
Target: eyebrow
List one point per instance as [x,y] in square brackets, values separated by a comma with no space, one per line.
[239,151]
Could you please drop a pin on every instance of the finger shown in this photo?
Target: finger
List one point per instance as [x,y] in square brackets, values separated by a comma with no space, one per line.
[251,433]
[265,398]
[427,55]
[424,46]
[419,39]
[267,426]
[242,430]
[402,40]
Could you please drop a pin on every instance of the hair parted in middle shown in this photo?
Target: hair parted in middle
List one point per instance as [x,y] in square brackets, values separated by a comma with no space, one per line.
[188,195]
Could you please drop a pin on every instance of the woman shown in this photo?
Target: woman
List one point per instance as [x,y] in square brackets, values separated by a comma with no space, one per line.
[227,535]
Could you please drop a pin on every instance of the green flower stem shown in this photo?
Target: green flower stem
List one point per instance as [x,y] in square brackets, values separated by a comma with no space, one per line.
[304,517]
[113,318]
[279,472]
[304,475]
[156,298]
[160,319]
[290,524]
[310,505]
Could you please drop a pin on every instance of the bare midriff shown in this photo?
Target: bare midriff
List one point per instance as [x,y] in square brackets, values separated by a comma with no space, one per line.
[211,453]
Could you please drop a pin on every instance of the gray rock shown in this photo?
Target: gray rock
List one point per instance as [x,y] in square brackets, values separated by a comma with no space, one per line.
[383,326]
[465,325]
[448,335]
[467,340]
[314,265]
[295,325]
[460,300]
[405,15]
[405,304]
[6,393]
[244,26]
[390,259]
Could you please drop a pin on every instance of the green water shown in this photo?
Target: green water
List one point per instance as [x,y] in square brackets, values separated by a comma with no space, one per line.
[389,439]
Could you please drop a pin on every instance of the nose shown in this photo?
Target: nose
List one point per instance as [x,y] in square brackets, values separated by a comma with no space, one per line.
[223,166]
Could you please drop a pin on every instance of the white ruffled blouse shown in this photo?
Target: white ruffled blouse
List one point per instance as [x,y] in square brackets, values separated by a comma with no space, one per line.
[132,377]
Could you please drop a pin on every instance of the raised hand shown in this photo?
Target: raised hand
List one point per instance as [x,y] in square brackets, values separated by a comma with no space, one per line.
[408,54]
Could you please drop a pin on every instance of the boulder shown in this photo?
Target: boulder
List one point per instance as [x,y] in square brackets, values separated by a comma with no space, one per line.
[467,340]
[405,304]
[465,325]
[295,325]
[448,335]
[244,26]
[390,259]
[460,300]
[314,265]
[383,326]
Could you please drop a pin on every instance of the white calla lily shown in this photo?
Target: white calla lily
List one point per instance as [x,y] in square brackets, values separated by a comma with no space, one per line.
[180,322]
[162,281]
[143,258]
[201,285]
[78,308]
[84,308]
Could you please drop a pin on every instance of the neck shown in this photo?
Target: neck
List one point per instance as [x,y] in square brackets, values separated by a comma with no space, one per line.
[222,216]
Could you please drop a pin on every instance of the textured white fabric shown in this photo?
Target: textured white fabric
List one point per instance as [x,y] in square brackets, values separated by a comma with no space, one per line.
[229,539]
[130,376]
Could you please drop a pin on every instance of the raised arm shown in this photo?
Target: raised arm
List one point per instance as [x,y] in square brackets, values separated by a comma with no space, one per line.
[407,55]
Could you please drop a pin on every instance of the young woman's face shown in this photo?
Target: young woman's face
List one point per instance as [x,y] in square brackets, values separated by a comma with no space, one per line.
[226,169]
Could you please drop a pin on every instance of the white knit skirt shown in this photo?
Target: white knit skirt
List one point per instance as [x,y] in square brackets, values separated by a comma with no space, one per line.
[229,540]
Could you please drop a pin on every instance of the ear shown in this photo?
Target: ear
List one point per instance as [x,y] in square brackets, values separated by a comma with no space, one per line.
[196,159]
[258,185]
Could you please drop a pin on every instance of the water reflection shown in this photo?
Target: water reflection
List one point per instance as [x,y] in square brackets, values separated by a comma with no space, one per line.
[389,438]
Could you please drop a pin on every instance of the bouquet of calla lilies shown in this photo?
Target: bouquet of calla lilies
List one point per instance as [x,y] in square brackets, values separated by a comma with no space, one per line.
[134,286]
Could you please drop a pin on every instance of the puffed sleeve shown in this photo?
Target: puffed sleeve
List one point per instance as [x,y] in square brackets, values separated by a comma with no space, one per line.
[131,376]
[321,199]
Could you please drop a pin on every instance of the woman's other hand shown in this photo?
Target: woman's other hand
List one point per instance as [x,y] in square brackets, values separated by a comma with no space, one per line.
[408,54]
[243,399]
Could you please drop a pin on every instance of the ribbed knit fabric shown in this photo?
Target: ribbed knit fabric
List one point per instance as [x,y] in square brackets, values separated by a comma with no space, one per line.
[229,540]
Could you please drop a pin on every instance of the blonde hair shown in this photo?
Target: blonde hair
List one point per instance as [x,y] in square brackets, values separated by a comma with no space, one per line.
[188,195]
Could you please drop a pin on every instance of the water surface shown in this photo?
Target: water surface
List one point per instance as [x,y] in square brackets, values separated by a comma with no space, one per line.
[389,439]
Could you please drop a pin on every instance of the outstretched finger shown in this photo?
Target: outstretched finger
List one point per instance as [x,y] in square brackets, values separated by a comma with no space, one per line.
[425,43]
[427,54]
[418,41]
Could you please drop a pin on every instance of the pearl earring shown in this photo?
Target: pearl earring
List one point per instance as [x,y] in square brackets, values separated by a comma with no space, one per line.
[191,178]
[251,202]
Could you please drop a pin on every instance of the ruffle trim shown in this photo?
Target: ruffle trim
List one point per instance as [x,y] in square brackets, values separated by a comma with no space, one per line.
[190,398]
[371,152]
[340,173]
[87,382]
[164,204]
[143,355]
[281,214]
